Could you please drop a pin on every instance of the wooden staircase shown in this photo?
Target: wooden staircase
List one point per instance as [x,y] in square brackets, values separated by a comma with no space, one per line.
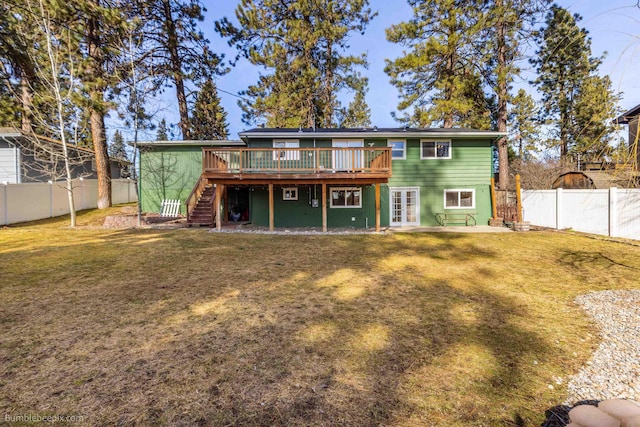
[200,210]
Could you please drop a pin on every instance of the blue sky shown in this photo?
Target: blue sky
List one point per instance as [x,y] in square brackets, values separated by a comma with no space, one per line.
[613,25]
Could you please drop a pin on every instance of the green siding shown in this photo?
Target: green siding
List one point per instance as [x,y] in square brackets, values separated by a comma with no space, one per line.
[469,167]
[171,173]
[168,173]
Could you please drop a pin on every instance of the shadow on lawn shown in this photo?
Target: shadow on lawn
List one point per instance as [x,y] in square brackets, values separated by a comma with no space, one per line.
[582,261]
[278,340]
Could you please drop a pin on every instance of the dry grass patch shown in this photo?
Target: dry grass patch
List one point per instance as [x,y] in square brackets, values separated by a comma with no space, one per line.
[190,327]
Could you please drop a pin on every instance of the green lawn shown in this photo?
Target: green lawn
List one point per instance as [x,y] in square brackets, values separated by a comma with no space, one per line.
[190,327]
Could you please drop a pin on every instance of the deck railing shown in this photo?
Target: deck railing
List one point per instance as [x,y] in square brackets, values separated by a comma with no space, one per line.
[297,160]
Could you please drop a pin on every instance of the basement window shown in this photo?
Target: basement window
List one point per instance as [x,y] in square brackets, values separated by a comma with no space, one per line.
[289,193]
[347,197]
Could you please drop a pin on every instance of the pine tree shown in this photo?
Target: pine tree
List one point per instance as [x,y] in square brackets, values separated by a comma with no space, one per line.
[163,131]
[507,24]
[563,63]
[117,149]
[209,119]
[437,72]
[303,46]
[177,49]
[594,107]
[358,113]
[523,129]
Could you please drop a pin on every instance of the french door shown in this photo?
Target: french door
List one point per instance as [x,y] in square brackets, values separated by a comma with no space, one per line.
[405,206]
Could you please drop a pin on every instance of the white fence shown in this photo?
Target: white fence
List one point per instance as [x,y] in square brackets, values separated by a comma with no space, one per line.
[38,200]
[614,212]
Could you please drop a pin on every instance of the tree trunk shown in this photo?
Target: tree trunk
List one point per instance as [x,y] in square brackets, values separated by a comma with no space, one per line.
[328,89]
[503,93]
[176,69]
[103,168]
[96,94]
[26,99]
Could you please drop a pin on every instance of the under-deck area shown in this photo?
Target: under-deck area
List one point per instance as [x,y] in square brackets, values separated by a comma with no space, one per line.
[276,167]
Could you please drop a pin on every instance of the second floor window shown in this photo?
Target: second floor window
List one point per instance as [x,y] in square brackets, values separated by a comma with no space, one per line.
[435,149]
[398,149]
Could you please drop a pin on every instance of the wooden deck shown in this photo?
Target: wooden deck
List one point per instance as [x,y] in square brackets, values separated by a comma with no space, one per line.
[297,165]
[271,167]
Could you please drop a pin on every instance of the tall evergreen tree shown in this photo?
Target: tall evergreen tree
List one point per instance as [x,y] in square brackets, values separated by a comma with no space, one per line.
[438,71]
[358,113]
[103,24]
[177,49]
[506,25]
[21,54]
[209,119]
[523,129]
[595,105]
[303,46]
[564,63]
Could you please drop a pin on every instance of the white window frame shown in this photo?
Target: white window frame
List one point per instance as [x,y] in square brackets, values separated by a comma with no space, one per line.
[404,148]
[332,206]
[459,191]
[286,154]
[289,193]
[435,141]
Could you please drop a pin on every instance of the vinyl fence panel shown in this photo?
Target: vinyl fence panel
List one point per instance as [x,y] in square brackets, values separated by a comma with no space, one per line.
[32,201]
[613,212]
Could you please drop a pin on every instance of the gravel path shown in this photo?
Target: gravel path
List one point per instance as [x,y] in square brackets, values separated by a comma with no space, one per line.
[614,370]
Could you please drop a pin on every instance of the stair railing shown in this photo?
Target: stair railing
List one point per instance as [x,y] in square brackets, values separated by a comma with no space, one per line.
[194,196]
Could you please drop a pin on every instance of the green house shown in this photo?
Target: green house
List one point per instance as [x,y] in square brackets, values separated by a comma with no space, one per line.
[362,178]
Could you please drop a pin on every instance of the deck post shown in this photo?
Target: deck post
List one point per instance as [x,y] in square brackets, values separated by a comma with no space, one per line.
[324,207]
[219,191]
[377,207]
[518,197]
[225,202]
[271,216]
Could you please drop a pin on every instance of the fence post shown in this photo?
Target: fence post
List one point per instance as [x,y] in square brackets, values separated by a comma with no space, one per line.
[558,208]
[6,204]
[50,198]
[613,212]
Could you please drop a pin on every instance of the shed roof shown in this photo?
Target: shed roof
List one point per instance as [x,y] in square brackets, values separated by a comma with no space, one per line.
[598,179]
[17,134]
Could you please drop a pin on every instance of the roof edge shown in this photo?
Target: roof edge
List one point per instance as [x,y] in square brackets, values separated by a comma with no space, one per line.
[371,133]
[188,143]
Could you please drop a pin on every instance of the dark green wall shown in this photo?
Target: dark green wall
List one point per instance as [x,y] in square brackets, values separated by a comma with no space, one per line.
[300,213]
[168,173]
